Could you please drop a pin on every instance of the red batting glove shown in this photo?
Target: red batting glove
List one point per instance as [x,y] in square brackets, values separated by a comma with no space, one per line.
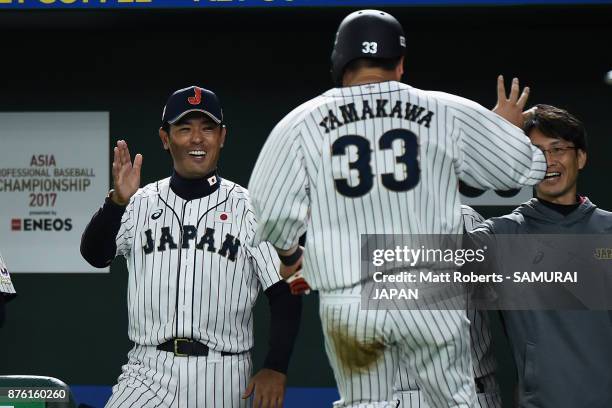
[297,284]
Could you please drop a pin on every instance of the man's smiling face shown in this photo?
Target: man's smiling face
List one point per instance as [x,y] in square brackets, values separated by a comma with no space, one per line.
[564,160]
[195,143]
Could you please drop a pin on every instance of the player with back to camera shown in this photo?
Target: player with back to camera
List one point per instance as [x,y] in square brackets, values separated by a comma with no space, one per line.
[376,156]
[193,277]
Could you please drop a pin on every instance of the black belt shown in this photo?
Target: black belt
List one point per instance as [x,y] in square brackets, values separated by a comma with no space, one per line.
[188,347]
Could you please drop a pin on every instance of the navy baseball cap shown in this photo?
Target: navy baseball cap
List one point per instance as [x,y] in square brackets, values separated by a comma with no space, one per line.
[192,99]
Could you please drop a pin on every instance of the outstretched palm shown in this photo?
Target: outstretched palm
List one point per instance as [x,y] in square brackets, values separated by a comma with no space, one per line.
[126,176]
[511,107]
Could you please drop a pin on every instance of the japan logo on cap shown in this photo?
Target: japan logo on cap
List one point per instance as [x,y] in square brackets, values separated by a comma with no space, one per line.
[197,98]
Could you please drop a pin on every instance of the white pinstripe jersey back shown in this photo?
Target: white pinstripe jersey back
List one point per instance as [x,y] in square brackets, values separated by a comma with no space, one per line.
[483,360]
[191,271]
[381,158]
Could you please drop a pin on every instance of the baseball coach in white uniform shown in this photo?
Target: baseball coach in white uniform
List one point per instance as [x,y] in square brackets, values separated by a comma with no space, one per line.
[193,277]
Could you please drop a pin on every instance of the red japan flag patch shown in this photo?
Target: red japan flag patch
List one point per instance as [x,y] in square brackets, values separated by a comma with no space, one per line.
[223,216]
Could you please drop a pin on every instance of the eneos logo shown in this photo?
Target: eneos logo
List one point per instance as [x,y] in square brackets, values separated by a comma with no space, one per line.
[41,224]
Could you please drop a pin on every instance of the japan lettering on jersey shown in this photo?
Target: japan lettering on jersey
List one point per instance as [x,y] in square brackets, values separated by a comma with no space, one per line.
[191,272]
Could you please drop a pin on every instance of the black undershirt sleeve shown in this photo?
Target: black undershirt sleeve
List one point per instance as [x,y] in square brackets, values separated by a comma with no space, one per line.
[286,313]
[98,245]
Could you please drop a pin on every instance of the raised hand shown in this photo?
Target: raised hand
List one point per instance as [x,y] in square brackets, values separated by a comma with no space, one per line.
[511,107]
[126,176]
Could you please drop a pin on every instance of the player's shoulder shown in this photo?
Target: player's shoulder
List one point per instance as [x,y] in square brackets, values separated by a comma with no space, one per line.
[310,105]
[451,100]
[152,189]
[234,190]
[295,118]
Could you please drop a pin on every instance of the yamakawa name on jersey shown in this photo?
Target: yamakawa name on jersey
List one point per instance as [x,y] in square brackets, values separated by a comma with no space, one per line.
[401,110]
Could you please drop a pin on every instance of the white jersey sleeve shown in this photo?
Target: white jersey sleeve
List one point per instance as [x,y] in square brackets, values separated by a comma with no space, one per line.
[6,285]
[492,152]
[279,185]
[263,258]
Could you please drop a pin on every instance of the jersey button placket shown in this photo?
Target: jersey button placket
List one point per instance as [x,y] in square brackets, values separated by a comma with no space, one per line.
[187,263]
[180,287]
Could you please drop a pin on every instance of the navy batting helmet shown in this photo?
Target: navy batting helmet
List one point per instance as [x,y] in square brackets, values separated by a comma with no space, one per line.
[366,34]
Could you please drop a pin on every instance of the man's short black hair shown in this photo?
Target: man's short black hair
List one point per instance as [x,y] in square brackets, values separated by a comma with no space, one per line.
[387,64]
[557,123]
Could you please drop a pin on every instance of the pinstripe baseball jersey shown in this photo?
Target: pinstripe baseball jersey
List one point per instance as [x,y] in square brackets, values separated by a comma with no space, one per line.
[191,272]
[6,285]
[406,388]
[381,158]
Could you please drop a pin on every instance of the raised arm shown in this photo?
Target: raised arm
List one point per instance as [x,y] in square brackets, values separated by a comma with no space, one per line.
[99,240]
